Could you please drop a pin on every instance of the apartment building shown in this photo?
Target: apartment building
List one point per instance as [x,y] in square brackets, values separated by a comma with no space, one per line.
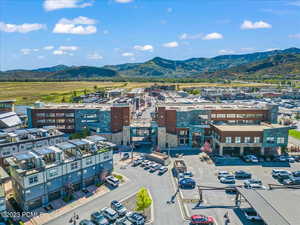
[7,106]
[191,124]
[105,119]
[45,174]
[21,140]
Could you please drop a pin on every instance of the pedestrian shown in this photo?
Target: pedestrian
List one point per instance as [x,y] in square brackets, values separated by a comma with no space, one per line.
[226,218]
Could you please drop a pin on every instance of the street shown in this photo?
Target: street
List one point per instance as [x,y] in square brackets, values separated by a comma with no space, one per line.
[160,188]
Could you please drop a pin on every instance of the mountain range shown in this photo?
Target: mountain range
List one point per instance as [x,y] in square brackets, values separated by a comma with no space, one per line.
[269,64]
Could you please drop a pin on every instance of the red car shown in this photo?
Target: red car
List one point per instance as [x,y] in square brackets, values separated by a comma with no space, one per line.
[201,219]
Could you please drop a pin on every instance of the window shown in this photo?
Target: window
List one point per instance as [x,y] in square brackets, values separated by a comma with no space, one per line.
[270,140]
[183,132]
[213,115]
[280,140]
[238,140]
[60,114]
[74,165]
[231,115]
[90,115]
[89,161]
[33,180]
[256,140]
[228,140]
[221,115]
[40,114]
[69,114]
[52,172]
[247,140]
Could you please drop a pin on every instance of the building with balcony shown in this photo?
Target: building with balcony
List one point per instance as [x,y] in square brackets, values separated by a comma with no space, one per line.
[48,173]
[21,140]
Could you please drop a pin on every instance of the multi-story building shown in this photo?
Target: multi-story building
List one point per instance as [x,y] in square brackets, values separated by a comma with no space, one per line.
[105,119]
[7,106]
[262,139]
[45,174]
[190,125]
[21,140]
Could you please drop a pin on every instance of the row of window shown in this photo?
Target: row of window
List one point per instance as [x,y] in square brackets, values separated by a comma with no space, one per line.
[55,114]
[55,121]
[256,140]
[253,115]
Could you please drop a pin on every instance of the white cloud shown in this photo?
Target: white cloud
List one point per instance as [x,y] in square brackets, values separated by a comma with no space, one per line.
[248,25]
[127,54]
[22,28]
[48,48]
[95,56]
[186,36]
[105,32]
[25,51]
[297,36]
[50,5]
[144,48]
[212,36]
[58,52]
[124,1]
[68,48]
[78,25]
[65,50]
[172,44]
[226,51]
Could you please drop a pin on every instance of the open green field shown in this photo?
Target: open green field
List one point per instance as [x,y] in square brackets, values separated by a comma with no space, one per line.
[295,134]
[29,92]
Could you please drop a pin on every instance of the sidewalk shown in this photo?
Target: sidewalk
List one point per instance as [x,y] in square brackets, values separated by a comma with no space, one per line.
[46,217]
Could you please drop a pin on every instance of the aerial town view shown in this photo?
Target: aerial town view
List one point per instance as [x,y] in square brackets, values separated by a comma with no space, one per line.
[155,112]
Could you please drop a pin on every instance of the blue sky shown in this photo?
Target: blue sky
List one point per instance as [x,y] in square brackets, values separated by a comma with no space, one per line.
[40,33]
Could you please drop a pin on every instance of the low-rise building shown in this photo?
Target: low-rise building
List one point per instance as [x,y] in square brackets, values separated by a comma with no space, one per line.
[262,139]
[45,174]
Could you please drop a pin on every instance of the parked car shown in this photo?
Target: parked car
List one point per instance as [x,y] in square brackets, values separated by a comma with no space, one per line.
[86,222]
[187,183]
[125,156]
[201,219]
[99,219]
[253,184]
[135,218]
[251,158]
[297,158]
[229,179]
[123,221]
[231,189]
[241,174]
[275,172]
[284,174]
[112,181]
[136,162]
[188,174]
[154,167]
[222,174]
[110,214]
[162,170]
[251,214]
[292,181]
[118,207]
[296,173]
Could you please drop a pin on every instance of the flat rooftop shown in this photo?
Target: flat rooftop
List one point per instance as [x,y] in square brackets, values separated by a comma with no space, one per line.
[104,107]
[248,128]
[190,105]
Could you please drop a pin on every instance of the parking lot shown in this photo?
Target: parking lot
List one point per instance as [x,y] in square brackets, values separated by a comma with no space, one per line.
[217,202]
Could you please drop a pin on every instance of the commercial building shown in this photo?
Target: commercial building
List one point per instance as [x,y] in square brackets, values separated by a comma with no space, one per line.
[21,140]
[105,119]
[45,174]
[7,106]
[191,124]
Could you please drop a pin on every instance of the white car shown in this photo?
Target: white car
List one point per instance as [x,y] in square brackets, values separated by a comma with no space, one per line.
[110,214]
[112,181]
[251,214]
[222,174]
[275,172]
